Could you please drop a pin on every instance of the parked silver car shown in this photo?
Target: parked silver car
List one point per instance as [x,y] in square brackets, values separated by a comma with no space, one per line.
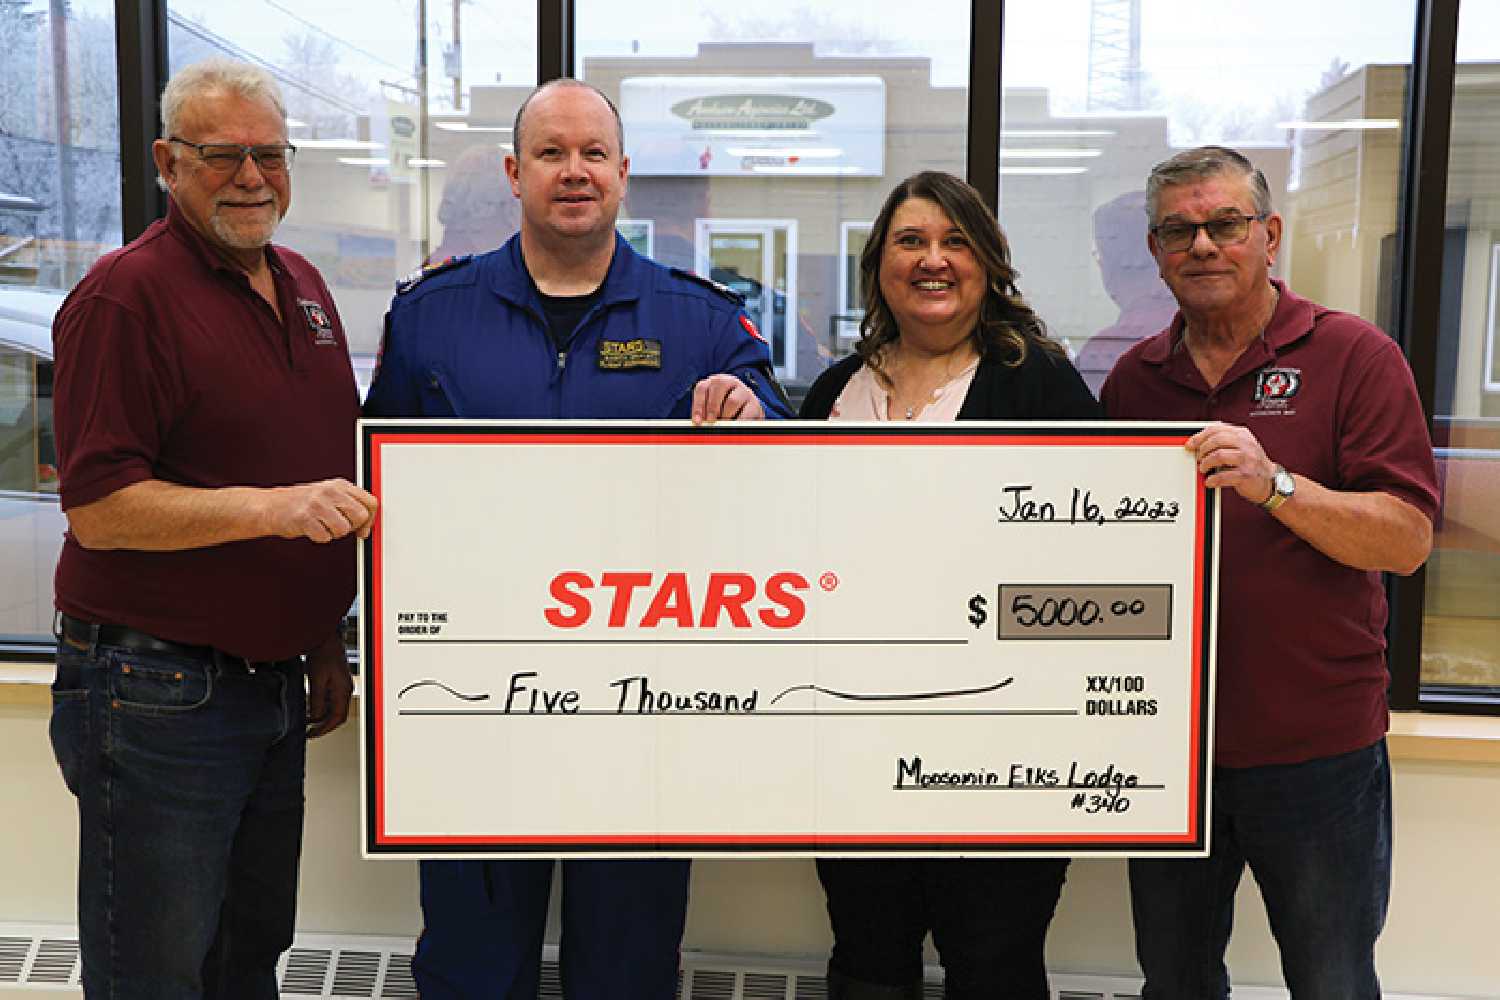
[31,522]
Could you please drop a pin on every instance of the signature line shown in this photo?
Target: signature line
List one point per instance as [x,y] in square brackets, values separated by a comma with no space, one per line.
[912,696]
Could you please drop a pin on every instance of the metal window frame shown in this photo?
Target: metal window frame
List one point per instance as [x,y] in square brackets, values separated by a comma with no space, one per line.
[555,39]
[141,68]
[141,52]
[986,73]
[1492,325]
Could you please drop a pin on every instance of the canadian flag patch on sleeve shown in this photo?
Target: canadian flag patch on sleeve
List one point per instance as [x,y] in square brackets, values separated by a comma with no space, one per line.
[749,326]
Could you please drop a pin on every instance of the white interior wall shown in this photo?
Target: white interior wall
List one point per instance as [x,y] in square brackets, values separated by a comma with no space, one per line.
[1441,937]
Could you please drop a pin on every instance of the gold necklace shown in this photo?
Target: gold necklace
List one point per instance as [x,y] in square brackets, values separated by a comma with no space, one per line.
[930,396]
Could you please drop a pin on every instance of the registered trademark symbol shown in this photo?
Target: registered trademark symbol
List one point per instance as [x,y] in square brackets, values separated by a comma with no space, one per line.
[828,581]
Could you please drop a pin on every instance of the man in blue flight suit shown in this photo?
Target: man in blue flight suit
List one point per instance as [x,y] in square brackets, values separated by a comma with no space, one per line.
[564,321]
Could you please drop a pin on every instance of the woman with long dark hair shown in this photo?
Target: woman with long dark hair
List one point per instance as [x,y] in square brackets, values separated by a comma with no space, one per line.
[946,335]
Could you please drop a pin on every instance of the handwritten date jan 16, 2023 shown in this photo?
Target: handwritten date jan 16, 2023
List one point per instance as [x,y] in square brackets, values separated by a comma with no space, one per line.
[1022,505]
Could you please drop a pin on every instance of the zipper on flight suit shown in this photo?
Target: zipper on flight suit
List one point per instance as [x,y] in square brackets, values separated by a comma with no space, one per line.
[560,372]
[562,355]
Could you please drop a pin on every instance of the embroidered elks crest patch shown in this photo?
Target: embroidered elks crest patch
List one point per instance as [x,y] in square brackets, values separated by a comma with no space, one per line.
[1277,383]
[317,322]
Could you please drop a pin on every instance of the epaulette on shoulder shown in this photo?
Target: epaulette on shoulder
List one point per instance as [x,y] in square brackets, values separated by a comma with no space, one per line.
[427,270]
[711,284]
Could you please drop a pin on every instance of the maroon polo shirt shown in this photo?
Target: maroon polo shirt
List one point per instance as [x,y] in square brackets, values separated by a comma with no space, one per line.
[1301,657]
[169,366]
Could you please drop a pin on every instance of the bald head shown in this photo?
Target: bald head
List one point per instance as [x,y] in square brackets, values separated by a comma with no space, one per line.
[565,82]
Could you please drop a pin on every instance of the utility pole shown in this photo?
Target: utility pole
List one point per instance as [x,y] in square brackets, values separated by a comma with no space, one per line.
[456,69]
[418,177]
[1115,55]
[62,119]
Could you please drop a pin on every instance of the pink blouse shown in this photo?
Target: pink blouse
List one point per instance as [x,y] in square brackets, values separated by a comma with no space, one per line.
[865,398]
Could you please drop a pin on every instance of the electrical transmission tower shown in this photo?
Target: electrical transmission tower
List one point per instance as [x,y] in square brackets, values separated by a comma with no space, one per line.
[1115,55]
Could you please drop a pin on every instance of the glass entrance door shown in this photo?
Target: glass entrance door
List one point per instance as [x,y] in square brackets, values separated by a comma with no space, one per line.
[753,257]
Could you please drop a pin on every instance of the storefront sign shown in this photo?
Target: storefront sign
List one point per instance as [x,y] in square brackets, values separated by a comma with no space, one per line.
[403,142]
[729,126]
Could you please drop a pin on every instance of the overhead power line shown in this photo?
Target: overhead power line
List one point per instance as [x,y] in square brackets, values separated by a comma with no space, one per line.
[332,37]
[282,76]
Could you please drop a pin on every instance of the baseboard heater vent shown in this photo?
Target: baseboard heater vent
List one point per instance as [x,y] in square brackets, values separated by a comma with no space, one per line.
[43,958]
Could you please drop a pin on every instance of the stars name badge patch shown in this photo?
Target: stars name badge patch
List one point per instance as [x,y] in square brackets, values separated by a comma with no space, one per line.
[1277,383]
[623,355]
[318,322]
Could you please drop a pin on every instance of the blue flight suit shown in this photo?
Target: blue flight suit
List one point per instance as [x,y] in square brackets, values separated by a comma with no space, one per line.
[469,339]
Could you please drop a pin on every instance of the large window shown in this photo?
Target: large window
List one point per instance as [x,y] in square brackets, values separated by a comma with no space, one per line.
[1461,633]
[757,136]
[59,210]
[401,117]
[763,140]
[1313,93]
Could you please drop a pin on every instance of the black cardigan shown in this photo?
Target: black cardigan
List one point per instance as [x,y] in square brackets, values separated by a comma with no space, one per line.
[1043,387]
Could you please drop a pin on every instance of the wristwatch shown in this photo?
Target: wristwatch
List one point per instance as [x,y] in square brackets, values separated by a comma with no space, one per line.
[1282,488]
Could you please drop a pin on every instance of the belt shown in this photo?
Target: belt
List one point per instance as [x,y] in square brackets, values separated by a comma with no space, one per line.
[84,634]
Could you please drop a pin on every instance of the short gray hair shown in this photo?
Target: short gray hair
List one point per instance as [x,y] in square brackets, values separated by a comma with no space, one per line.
[560,82]
[1206,161]
[216,74]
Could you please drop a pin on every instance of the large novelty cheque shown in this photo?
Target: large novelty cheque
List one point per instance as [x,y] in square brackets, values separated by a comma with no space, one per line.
[785,639]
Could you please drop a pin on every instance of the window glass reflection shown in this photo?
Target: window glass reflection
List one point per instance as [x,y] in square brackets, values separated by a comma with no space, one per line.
[59,211]
[401,118]
[1461,635]
[762,142]
[1095,94]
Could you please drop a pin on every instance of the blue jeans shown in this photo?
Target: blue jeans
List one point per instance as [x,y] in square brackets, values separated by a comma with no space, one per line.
[188,776]
[1317,838]
[484,922]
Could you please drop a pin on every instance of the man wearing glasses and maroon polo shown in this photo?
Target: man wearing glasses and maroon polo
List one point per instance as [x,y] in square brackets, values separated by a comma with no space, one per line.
[205,413]
[1318,439]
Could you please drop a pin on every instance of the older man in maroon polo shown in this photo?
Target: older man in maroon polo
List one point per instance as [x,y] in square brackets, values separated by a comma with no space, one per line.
[205,413]
[1318,442]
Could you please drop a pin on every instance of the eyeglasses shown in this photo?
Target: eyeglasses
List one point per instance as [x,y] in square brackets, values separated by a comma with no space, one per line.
[1224,230]
[225,157]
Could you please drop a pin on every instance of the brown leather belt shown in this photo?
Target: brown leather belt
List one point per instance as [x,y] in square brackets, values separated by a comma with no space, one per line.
[83,634]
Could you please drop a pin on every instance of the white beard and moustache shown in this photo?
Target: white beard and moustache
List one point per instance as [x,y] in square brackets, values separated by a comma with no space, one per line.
[237,236]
